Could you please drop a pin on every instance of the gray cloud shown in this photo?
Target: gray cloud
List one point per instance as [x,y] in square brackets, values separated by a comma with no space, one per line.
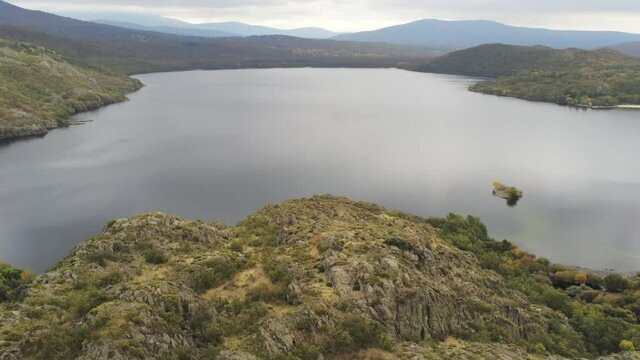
[353,15]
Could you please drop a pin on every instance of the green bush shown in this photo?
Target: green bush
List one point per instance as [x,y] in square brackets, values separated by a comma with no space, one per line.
[61,344]
[615,283]
[13,282]
[557,300]
[213,272]
[356,332]
[155,256]
[237,246]
[626,345]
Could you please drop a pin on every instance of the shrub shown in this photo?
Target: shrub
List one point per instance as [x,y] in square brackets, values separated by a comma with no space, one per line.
[267,293]
[556,300]
[594,280]
[539,348]
[13,281]
[626,345]
[402,244]
[580,278]
[615,283]
[602,333]
[278,269]
[111,278]
[80,302]
[155,255]
[213,272]
[237,246]
[63,343]
[356,332]
[557,267]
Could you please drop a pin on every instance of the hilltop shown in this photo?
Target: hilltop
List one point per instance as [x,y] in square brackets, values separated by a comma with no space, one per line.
[603,77]
[315,278]
[39,89]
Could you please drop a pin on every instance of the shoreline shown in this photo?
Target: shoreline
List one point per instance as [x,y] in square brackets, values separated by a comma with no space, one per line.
[42,131]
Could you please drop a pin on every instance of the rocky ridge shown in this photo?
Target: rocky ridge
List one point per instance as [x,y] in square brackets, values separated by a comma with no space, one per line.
[319,278]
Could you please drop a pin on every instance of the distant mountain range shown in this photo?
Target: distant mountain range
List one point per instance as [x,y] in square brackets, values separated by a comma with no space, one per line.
[169,29]
[172,26]
[137,51]
[464,34]
[432,33]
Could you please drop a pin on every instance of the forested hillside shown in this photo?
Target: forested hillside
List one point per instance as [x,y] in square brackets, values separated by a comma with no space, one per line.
[602,77]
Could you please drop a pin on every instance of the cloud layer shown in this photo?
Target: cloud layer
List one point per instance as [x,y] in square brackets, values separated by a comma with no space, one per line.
[355,15]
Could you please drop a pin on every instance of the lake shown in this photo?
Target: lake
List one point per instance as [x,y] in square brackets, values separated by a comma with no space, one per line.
[221,144]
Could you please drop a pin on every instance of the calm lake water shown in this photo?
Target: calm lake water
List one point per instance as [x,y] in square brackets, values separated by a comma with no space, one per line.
[221,144]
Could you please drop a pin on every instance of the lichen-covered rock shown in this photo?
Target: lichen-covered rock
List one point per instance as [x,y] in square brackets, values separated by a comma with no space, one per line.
[319,278]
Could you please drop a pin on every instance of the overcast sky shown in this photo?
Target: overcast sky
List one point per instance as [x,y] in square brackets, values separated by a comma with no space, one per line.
[355,15]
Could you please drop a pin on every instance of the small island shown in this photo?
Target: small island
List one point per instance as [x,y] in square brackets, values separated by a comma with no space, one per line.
[509,193]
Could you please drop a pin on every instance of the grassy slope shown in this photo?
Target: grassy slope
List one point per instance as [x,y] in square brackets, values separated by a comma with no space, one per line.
[325,275]
[39,89]
[568,77]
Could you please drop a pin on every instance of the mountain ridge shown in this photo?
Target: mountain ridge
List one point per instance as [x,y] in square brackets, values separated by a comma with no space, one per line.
[135,51]
[459,34]
[174,26]
[228,29]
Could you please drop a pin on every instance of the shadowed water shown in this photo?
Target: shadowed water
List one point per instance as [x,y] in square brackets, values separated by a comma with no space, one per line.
[221,144]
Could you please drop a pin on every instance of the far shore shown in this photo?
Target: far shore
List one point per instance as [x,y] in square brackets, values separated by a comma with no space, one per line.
[628,106]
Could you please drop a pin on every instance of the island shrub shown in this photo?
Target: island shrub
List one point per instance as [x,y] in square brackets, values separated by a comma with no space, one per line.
[509,193]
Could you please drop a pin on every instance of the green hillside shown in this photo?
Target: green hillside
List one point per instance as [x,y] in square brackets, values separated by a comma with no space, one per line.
[319,278]
[568,77]
[39,89]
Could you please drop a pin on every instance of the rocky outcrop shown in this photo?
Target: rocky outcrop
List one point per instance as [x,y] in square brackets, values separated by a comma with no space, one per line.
[323,278]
